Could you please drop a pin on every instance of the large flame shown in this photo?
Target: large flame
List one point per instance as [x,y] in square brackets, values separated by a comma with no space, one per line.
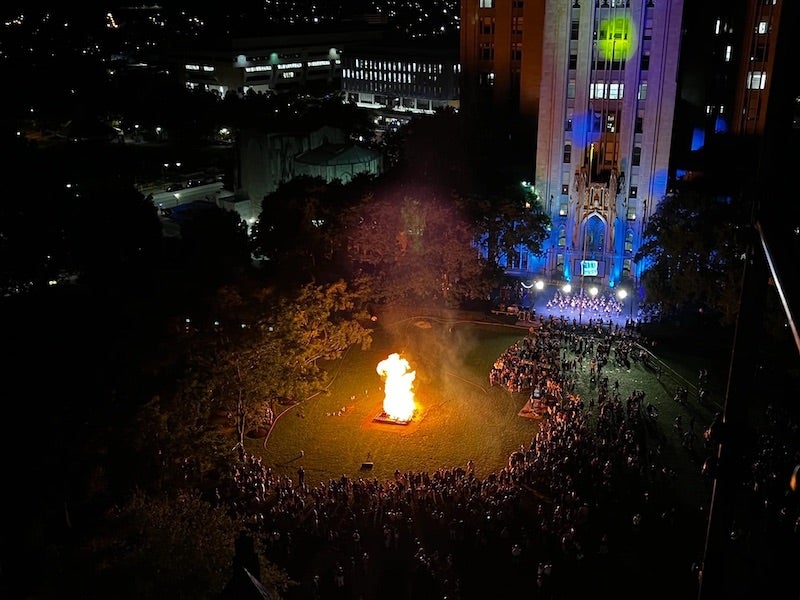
[398,400]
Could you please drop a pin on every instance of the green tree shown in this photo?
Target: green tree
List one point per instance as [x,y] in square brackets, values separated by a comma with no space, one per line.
[282,353]
[417,248]
[693,250]
[297,230]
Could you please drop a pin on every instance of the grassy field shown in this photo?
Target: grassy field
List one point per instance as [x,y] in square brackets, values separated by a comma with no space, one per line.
[459,416]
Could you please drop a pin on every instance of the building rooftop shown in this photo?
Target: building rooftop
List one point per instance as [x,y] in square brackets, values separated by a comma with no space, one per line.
[337,154]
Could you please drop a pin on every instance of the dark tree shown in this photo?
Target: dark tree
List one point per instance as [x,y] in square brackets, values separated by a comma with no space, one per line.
[416,247]
[693,251]
[509,220]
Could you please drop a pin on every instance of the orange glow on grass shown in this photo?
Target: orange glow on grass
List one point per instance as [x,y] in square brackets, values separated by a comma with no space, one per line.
[398,400]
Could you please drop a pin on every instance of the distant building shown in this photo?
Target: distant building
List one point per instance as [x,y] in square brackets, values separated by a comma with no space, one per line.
[268,159]
[274,63]
[338,162]
[201,195]
[730,81]
[501,57]
[417,76]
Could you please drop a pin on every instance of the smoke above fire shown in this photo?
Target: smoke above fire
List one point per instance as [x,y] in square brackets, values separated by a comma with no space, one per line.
[398,400]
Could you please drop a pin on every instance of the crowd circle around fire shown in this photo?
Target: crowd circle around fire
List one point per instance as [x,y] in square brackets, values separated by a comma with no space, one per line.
[588,487]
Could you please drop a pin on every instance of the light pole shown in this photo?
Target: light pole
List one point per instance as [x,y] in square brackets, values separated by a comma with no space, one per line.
[538,286]
[622,294]
[166,168]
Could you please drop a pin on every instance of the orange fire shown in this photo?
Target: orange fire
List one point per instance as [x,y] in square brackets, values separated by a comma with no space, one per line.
[398,400]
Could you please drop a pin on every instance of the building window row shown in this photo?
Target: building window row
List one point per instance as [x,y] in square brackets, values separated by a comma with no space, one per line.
[610,91]
[383,65]
[361,74]
[206,68]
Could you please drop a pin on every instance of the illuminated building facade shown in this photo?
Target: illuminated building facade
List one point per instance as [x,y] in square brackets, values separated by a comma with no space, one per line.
[605,131]
[624,97]
[417,77]
[602,79]
[276,63]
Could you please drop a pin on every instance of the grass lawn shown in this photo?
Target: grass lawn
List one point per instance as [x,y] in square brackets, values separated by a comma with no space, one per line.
[459,416]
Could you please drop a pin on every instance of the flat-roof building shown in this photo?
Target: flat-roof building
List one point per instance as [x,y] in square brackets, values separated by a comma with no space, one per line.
[415,77]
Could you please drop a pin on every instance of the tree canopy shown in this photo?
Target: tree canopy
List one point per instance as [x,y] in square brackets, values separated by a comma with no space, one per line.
[693,250]
[281,353]
[416,246]
[509,219]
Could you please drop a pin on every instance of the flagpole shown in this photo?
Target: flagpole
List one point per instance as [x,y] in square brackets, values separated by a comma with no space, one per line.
[585,232]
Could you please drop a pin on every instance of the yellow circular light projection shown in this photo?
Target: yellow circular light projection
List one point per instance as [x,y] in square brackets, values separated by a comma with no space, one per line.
[616,38]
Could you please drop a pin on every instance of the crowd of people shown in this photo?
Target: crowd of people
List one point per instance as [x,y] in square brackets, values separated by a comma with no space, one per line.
[574,510]
[567,303]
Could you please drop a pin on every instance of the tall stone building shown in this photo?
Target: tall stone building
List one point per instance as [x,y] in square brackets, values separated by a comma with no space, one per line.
[618,99]
[605,130]
[600,79]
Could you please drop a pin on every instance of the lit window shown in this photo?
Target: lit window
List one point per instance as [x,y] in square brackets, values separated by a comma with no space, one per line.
[485,3]
[756,80]
[728,50]
[642,91]
[597,90]
[762,27]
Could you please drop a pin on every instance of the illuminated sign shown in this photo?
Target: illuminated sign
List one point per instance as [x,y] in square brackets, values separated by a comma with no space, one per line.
[589,268]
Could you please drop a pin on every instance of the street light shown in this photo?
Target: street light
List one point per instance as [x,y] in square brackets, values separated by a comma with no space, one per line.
[166,168]
[622,294]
